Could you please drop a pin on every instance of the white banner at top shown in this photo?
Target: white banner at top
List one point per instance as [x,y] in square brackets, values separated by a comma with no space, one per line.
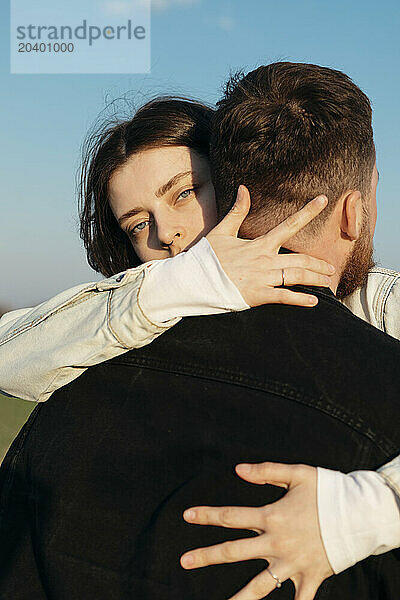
[80,36]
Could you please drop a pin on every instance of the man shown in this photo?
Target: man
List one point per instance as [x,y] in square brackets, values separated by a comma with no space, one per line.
[95,497]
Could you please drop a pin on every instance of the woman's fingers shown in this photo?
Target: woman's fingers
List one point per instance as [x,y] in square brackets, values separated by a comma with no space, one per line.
[259,587]
[254,265]
[290,538]
[231,223]
[283,296]
[293,224]
[296,276]
[269,291]
[233,517]
[279,474]
[227,552]
[302,261]
[263,584]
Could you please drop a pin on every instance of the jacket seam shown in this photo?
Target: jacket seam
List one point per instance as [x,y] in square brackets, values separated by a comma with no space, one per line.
[80,297]
[109,310]
[114,333]
[157,326]
[385,299]
[322,404]
[17,331]
[49,390]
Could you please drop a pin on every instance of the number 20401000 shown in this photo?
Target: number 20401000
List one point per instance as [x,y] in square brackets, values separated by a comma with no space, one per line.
[56,47]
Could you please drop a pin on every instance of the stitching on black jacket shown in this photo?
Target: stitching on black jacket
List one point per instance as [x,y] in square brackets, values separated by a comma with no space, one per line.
[322,403]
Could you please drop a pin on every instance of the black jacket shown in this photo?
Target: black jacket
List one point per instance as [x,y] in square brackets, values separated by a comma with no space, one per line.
[94,487]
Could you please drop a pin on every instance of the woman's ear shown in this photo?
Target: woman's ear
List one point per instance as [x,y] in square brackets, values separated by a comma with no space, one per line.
[352,215]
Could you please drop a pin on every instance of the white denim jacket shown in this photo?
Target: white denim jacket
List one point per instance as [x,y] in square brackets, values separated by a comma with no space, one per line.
[46,347]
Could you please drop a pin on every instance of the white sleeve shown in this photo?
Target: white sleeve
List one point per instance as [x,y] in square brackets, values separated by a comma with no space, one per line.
[46,347]
[192,283]
[359,515]
[391,474]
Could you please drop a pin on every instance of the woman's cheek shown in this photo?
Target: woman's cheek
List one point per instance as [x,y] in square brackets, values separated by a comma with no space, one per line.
[141,246]
[201,221]
[209,208]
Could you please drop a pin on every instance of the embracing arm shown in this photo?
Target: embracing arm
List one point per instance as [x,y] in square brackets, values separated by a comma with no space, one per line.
[326,522]
[46,347]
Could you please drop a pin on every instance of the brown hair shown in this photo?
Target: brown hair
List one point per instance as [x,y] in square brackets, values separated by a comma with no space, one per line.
[290,131]
[164,121]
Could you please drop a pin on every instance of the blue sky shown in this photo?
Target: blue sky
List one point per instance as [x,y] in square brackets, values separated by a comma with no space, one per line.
[195,44]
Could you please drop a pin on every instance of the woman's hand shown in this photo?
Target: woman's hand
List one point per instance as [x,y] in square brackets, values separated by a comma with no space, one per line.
[289,535]
[255,266]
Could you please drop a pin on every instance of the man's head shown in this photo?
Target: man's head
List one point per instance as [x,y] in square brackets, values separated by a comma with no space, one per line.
[291,131]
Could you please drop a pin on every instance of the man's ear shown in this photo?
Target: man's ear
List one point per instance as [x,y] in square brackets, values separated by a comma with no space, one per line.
[352,215]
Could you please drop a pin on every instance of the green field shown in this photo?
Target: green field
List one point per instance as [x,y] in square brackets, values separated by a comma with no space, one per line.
[13,414]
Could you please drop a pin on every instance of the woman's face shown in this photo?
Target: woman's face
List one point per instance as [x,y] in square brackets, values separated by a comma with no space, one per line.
[164,200]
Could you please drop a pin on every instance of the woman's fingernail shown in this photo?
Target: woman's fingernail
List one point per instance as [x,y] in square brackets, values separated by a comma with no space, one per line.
[244,467]
[332,268]
[322,200]
[187,560]
[189,515]
[312,300]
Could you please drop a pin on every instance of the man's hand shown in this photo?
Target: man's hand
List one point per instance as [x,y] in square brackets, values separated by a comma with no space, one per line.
[289,535]
[256,267]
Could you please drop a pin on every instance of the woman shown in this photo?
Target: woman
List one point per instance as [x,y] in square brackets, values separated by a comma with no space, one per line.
[147,195]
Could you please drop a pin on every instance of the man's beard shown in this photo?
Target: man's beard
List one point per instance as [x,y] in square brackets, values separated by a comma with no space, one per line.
[358,264]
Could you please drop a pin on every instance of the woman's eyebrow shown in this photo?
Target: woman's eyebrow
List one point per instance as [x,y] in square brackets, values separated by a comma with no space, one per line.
[173,181]
[129,214]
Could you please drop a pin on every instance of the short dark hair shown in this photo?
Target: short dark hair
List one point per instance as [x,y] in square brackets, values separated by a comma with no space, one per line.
[290,131]
[164,121]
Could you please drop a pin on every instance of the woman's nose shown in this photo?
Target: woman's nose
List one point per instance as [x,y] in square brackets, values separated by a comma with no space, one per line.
[170,234]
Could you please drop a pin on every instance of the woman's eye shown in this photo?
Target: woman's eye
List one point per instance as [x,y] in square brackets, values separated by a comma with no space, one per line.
[185,193]
[138,228]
